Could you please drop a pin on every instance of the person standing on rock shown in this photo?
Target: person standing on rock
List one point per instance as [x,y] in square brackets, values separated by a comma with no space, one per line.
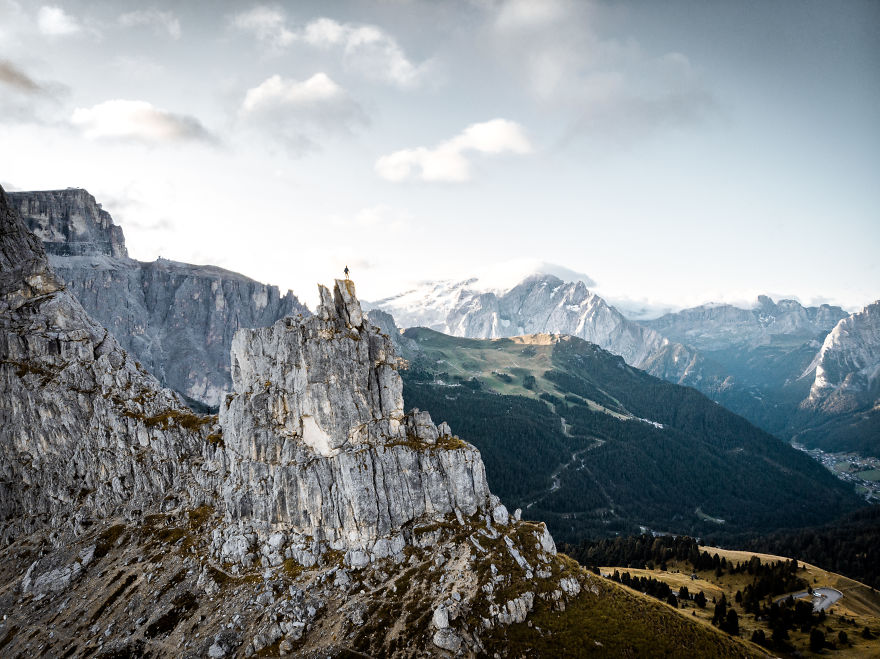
[346,272]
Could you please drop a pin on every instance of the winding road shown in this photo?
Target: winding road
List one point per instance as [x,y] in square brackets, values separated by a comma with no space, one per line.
[822,597]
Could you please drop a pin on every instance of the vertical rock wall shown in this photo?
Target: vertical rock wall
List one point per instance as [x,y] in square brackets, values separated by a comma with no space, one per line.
[316,437]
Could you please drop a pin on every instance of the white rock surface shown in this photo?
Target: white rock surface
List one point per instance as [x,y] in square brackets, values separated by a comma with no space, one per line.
[847,368]
[316,438]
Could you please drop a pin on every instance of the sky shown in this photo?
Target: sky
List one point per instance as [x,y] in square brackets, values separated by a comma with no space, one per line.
[675,152]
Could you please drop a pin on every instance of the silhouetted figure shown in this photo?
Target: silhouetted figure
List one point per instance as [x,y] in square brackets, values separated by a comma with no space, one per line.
[346,272]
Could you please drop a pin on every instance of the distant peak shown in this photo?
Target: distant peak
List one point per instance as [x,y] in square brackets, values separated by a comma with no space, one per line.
[502,277]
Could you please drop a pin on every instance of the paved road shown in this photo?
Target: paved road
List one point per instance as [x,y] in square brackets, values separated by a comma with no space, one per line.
[822,597]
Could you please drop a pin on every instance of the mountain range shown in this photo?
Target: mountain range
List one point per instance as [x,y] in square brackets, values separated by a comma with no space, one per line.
[762,362]
[576,437]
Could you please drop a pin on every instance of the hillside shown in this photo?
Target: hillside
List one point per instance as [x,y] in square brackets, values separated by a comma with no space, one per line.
[849,546]
[753,586]
[575,436]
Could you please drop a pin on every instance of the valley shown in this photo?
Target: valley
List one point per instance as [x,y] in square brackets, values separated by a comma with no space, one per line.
[669,459]
[862,472]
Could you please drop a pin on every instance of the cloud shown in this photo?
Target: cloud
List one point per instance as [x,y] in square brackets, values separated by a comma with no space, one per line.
[448,161]
[161,21]
[516,15]
[366,49]
[139,121]
[17,79]
[24,99]
[53,21]
[267,24]
[15,24]
[606,87]
[298,112]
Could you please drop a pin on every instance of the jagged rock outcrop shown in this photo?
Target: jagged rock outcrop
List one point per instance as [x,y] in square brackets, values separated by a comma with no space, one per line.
[847,368]
[841,412]
[319,401]
[176,319]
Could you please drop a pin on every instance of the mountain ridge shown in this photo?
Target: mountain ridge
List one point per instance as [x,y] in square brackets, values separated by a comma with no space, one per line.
[178,319]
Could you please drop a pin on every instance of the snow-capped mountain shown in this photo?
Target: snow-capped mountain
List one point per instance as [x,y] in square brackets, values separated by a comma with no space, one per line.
[847,368]
[540,302]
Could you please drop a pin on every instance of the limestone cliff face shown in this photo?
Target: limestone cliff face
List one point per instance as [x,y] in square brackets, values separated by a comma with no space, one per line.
[70,222]
[177,319]
[847,368]
[83,430]
[317,439]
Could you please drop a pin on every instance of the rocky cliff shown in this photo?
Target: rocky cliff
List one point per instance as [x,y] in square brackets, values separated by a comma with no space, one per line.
[83,430]
[320,401]
[69,222]
[177,319]
[847,368]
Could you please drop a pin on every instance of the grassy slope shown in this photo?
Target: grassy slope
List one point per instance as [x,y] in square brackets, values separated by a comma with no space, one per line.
[613,620]
[704,453]
[859,602]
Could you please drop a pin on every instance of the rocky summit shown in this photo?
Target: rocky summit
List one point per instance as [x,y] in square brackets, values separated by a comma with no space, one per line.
[313,517]
[319,401]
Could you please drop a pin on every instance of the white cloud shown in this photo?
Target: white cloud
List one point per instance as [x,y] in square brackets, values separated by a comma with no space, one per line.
[607,87]
[277,92]
[137,120]
[267,24]
[298,111]
[516,15]
[366,49]
[53,21]
[161,21]
[448,161]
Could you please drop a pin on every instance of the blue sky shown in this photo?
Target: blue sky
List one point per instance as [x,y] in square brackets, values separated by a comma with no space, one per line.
[677,152]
